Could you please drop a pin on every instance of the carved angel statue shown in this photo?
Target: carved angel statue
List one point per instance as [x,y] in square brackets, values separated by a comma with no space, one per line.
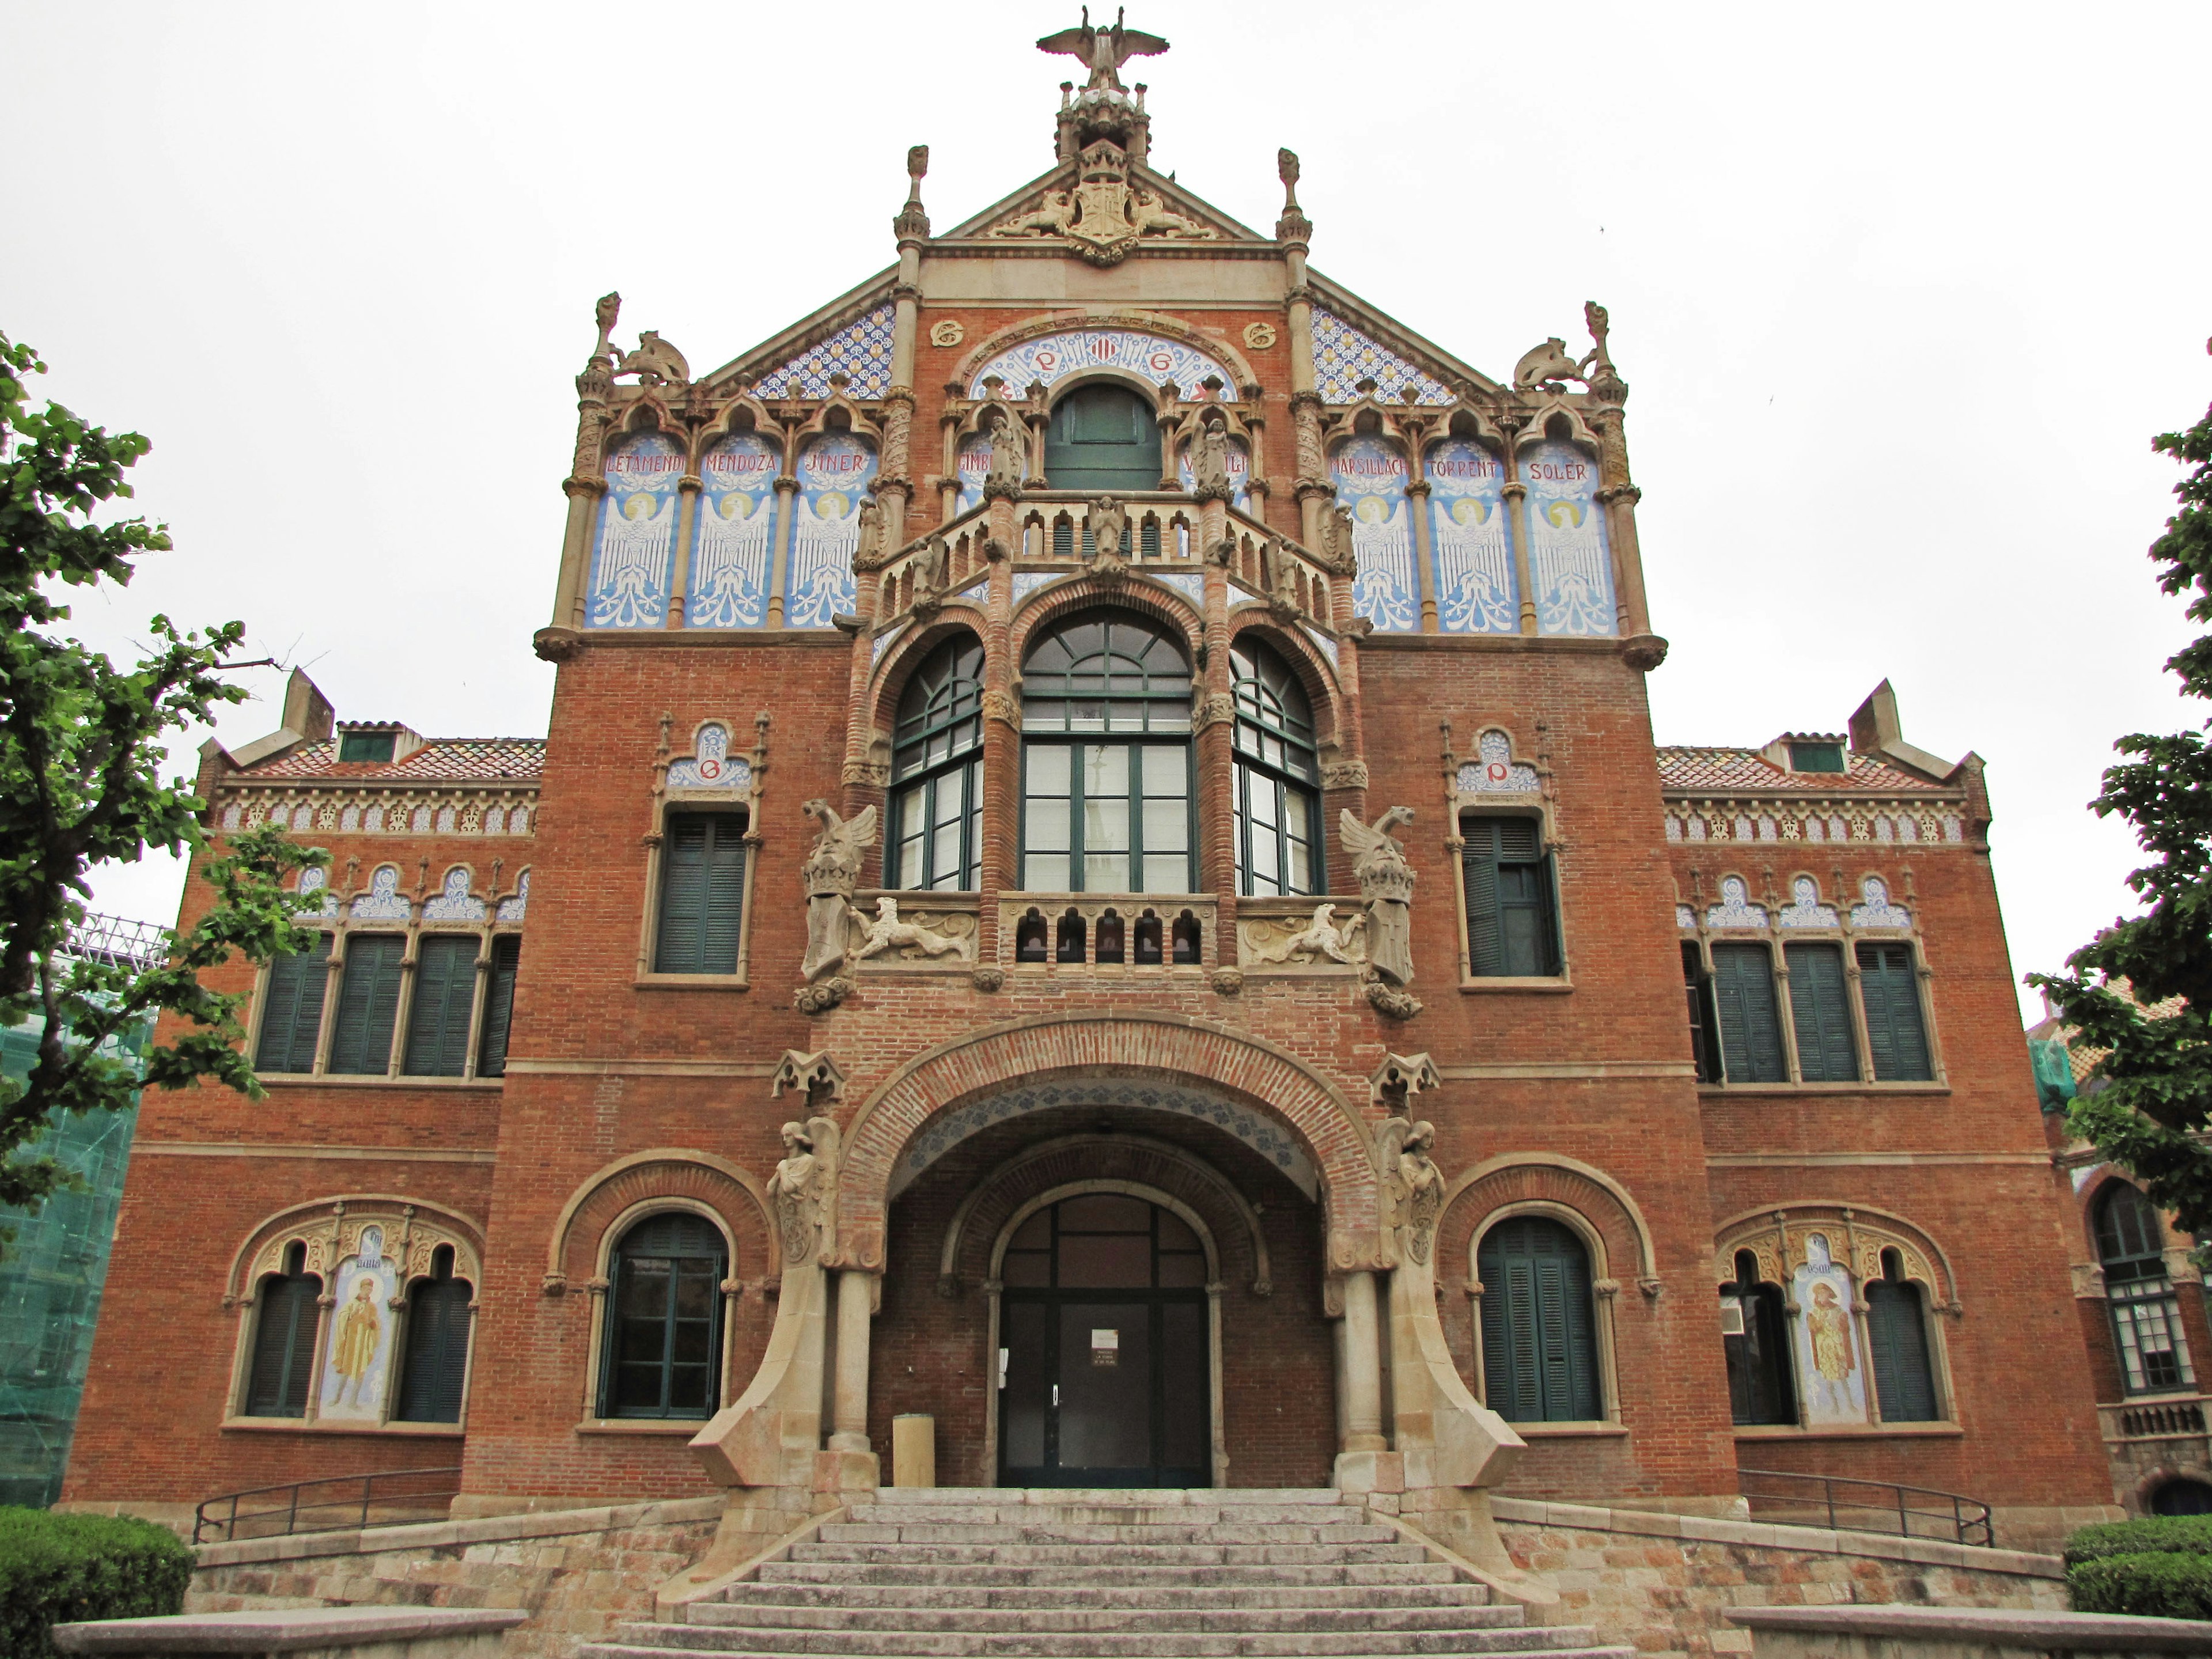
[1416,1185]
[1209,459]
[802,1189]
[655,362]
[884,931]
[1009,456]
[1547,365]
[1320,937]
[1103,50]
[932,568]
[831,870]
[1336,539]
[1275,575]
[1386,882]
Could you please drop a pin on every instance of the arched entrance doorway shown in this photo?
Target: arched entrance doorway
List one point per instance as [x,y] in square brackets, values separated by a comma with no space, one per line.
[1105,1344]
[1102,437]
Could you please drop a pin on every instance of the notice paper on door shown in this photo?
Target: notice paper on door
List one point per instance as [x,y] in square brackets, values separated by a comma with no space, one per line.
[1105,1347]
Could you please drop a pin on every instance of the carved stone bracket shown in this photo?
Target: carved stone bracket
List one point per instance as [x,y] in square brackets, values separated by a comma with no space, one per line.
[1394,1084]
[815,1075]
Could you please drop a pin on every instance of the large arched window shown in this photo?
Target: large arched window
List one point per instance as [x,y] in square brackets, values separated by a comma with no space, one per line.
[1539,1326]
[1102,437]
[664,1336]
[2146,1317]
[1278,841]
[287,1312]
[1106,760]
[935,835]
[435,1367]
[1897,1333]
[1756,1338]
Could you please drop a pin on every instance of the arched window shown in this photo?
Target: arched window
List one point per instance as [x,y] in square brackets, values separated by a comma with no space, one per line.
[435,1369]
[1278,841]
[935,835]
[1113,815]
[1102,437]
[2146,1317]
[664,1335]
[1757,1341]
[1897,1332]
[286,1313]
[1539,1328]
[2182,1497]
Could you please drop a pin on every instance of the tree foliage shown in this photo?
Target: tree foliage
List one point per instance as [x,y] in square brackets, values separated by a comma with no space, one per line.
[2149,1109]
[82,745]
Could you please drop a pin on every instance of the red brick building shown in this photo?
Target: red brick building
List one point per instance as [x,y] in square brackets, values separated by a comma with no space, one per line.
[1100,874]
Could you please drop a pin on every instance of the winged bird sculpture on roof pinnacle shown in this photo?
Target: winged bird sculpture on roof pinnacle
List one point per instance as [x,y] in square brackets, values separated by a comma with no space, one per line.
[1104,51]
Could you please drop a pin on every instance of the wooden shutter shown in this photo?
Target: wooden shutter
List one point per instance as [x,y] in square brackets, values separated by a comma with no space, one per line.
[292,1014]
[1510,928]
[726,895]
[1539,1330]
[499,1005]
[437,1357]
[368,1004]
[1485,958]
[1903,1381]
[1821,1014]
[445,995]
[283,1347]
[702,886]
[1897,1040]
[1751,1026]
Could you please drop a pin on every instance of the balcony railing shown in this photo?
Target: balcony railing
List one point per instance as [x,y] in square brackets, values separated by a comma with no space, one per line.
[1136,933]
[1845,1503]
[2179,1417]
[388,1499]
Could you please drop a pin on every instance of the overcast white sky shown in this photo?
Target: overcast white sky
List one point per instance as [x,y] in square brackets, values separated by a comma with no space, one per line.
[1902,291]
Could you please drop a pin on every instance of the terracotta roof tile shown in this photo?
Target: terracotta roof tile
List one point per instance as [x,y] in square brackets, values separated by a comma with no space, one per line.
[439,760]
[1724,769]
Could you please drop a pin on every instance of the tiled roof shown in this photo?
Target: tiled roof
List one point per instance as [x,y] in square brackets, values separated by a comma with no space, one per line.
[1724,769]
[438,759]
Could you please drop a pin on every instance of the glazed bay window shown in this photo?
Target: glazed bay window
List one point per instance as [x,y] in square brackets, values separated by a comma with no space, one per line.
[935,832]
[1110,813]
[1512,926]
[1277,771]
[703,893]
[2153,1353]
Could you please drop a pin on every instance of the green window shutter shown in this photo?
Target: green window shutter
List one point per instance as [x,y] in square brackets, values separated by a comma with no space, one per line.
[1510,925]
[1539,1329]
[283,1347]
[438,1018]
[1820,1013]
[293,1015]
[437,1353]
[724,896]
[1751,1026]
[1897,1040]
[1903,1381]
[499,1005]
[1485,958]
[703,887]
[369,1004]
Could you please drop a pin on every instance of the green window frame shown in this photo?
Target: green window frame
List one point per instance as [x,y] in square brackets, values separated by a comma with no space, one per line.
[434,1362]
[288,1314]
[1750,1020]
[369,1004]
[934,831]
[1279,849]
[499,1005]
[703,893]
[1896,1034]
[292,1008]
[1512,919]
[1539,1323]
[2139,1296]
[1820,1013]
[1705,1022]
[664,1331]
[1897,1336]
[444,1004]
[1102,437]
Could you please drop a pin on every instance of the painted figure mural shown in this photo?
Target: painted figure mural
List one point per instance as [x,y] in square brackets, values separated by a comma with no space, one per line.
[733,541]
[1475,585]
[835,472]
[1370,485]
[1826,1339]
[359,1357]
[632,564]
[1570,559]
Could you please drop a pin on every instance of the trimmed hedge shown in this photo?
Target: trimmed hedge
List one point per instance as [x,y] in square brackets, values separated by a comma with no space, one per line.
[2154,1534]
[57,1569]
[2163,1585]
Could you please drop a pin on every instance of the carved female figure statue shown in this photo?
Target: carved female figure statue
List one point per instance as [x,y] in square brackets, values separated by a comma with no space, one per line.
[1209,459]
[795,1190]
[1009,457]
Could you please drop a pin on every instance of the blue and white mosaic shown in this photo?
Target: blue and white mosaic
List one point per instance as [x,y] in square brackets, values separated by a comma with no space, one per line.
[1188,583]
[1878,911]
[861,351]
[1027,582]
[1805,910]
[1467,527]
[1370,483]
[631,564]
[314,881]
[711,766]
[835,472]
[1344,356]
[1685,918]
[454,902]
[383,900]
[1055,356]
[1325,645]
[1735,908]
[1262,1134]
[881,643]
[1493,770]
[515,907]
[730,546]
[1570,559]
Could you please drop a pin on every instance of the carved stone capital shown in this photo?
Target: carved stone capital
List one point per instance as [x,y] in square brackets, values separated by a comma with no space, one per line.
[2089,1279]
[997,489]
[1219,708]
[1612,493]
[1514,491]
[1643,652]
[1001,706]
[989,978]
[573,486]
[1344,774]
[822,995]
[556,644]
[864,772]
[1227,981]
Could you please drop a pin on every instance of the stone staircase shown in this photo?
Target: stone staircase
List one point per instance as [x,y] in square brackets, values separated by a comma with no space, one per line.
[958,1572]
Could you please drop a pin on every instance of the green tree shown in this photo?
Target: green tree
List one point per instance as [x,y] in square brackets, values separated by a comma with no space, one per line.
[82,745]
[2150,1113]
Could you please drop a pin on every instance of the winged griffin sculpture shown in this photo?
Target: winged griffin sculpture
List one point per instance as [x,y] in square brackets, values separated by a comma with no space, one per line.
[1103,50]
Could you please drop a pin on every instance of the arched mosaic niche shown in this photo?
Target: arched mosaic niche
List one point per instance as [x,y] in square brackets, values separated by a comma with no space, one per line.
[1570,557]
[1262,1134]
[1052,358]
[330,1232]
[1475,590]
[632,560]
[835,471]
[1370,485]
[733,542]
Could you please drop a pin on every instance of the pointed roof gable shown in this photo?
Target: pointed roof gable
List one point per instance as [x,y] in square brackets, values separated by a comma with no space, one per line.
[852,334]
[1063,175]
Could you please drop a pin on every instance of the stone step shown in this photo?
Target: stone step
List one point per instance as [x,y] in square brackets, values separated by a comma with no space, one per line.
[1018,1514]
[1058,1530]
[925,1590]
[1094,1572]
[755,1615]
[1117,1497]
[1193,1555]
[648,1639]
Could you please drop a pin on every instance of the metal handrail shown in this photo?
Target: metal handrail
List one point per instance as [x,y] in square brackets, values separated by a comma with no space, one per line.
[289,1514]
[1890,1506]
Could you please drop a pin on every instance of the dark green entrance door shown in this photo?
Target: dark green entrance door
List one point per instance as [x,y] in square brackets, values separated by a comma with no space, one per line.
[1102,438]
[1103,1349]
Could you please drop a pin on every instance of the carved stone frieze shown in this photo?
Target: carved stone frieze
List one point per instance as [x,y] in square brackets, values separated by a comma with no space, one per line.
[1344,774]
[1104,214]
[1295,941]
[919,933]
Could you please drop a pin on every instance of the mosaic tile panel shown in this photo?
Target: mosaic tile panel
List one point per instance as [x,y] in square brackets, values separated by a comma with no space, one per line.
[731,543]
[1054,357]
[861,351]
[1570,559]
[1685,918]
[312,881]
[711,765]
[974,462]
[834,471]
[1735,908]
[881,643]
[1189,584]
[1325,645]
[1469,529]
[383,902]
[1371,485]
[1878,911]
[631,561]
[1805,908]
[1027,582]
[1344,356]
[515,907]
[1493,770]
[454,902]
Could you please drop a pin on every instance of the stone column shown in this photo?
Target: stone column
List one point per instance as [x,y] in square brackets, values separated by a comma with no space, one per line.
[679,556]
[1361,1383]
[1516,524]
[786,491]
[1002,724]
[1425,563]
[585,486]
[849,1420]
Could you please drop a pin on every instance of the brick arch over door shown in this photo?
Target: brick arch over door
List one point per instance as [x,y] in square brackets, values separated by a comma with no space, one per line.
[573,1252]
[1028,1052]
